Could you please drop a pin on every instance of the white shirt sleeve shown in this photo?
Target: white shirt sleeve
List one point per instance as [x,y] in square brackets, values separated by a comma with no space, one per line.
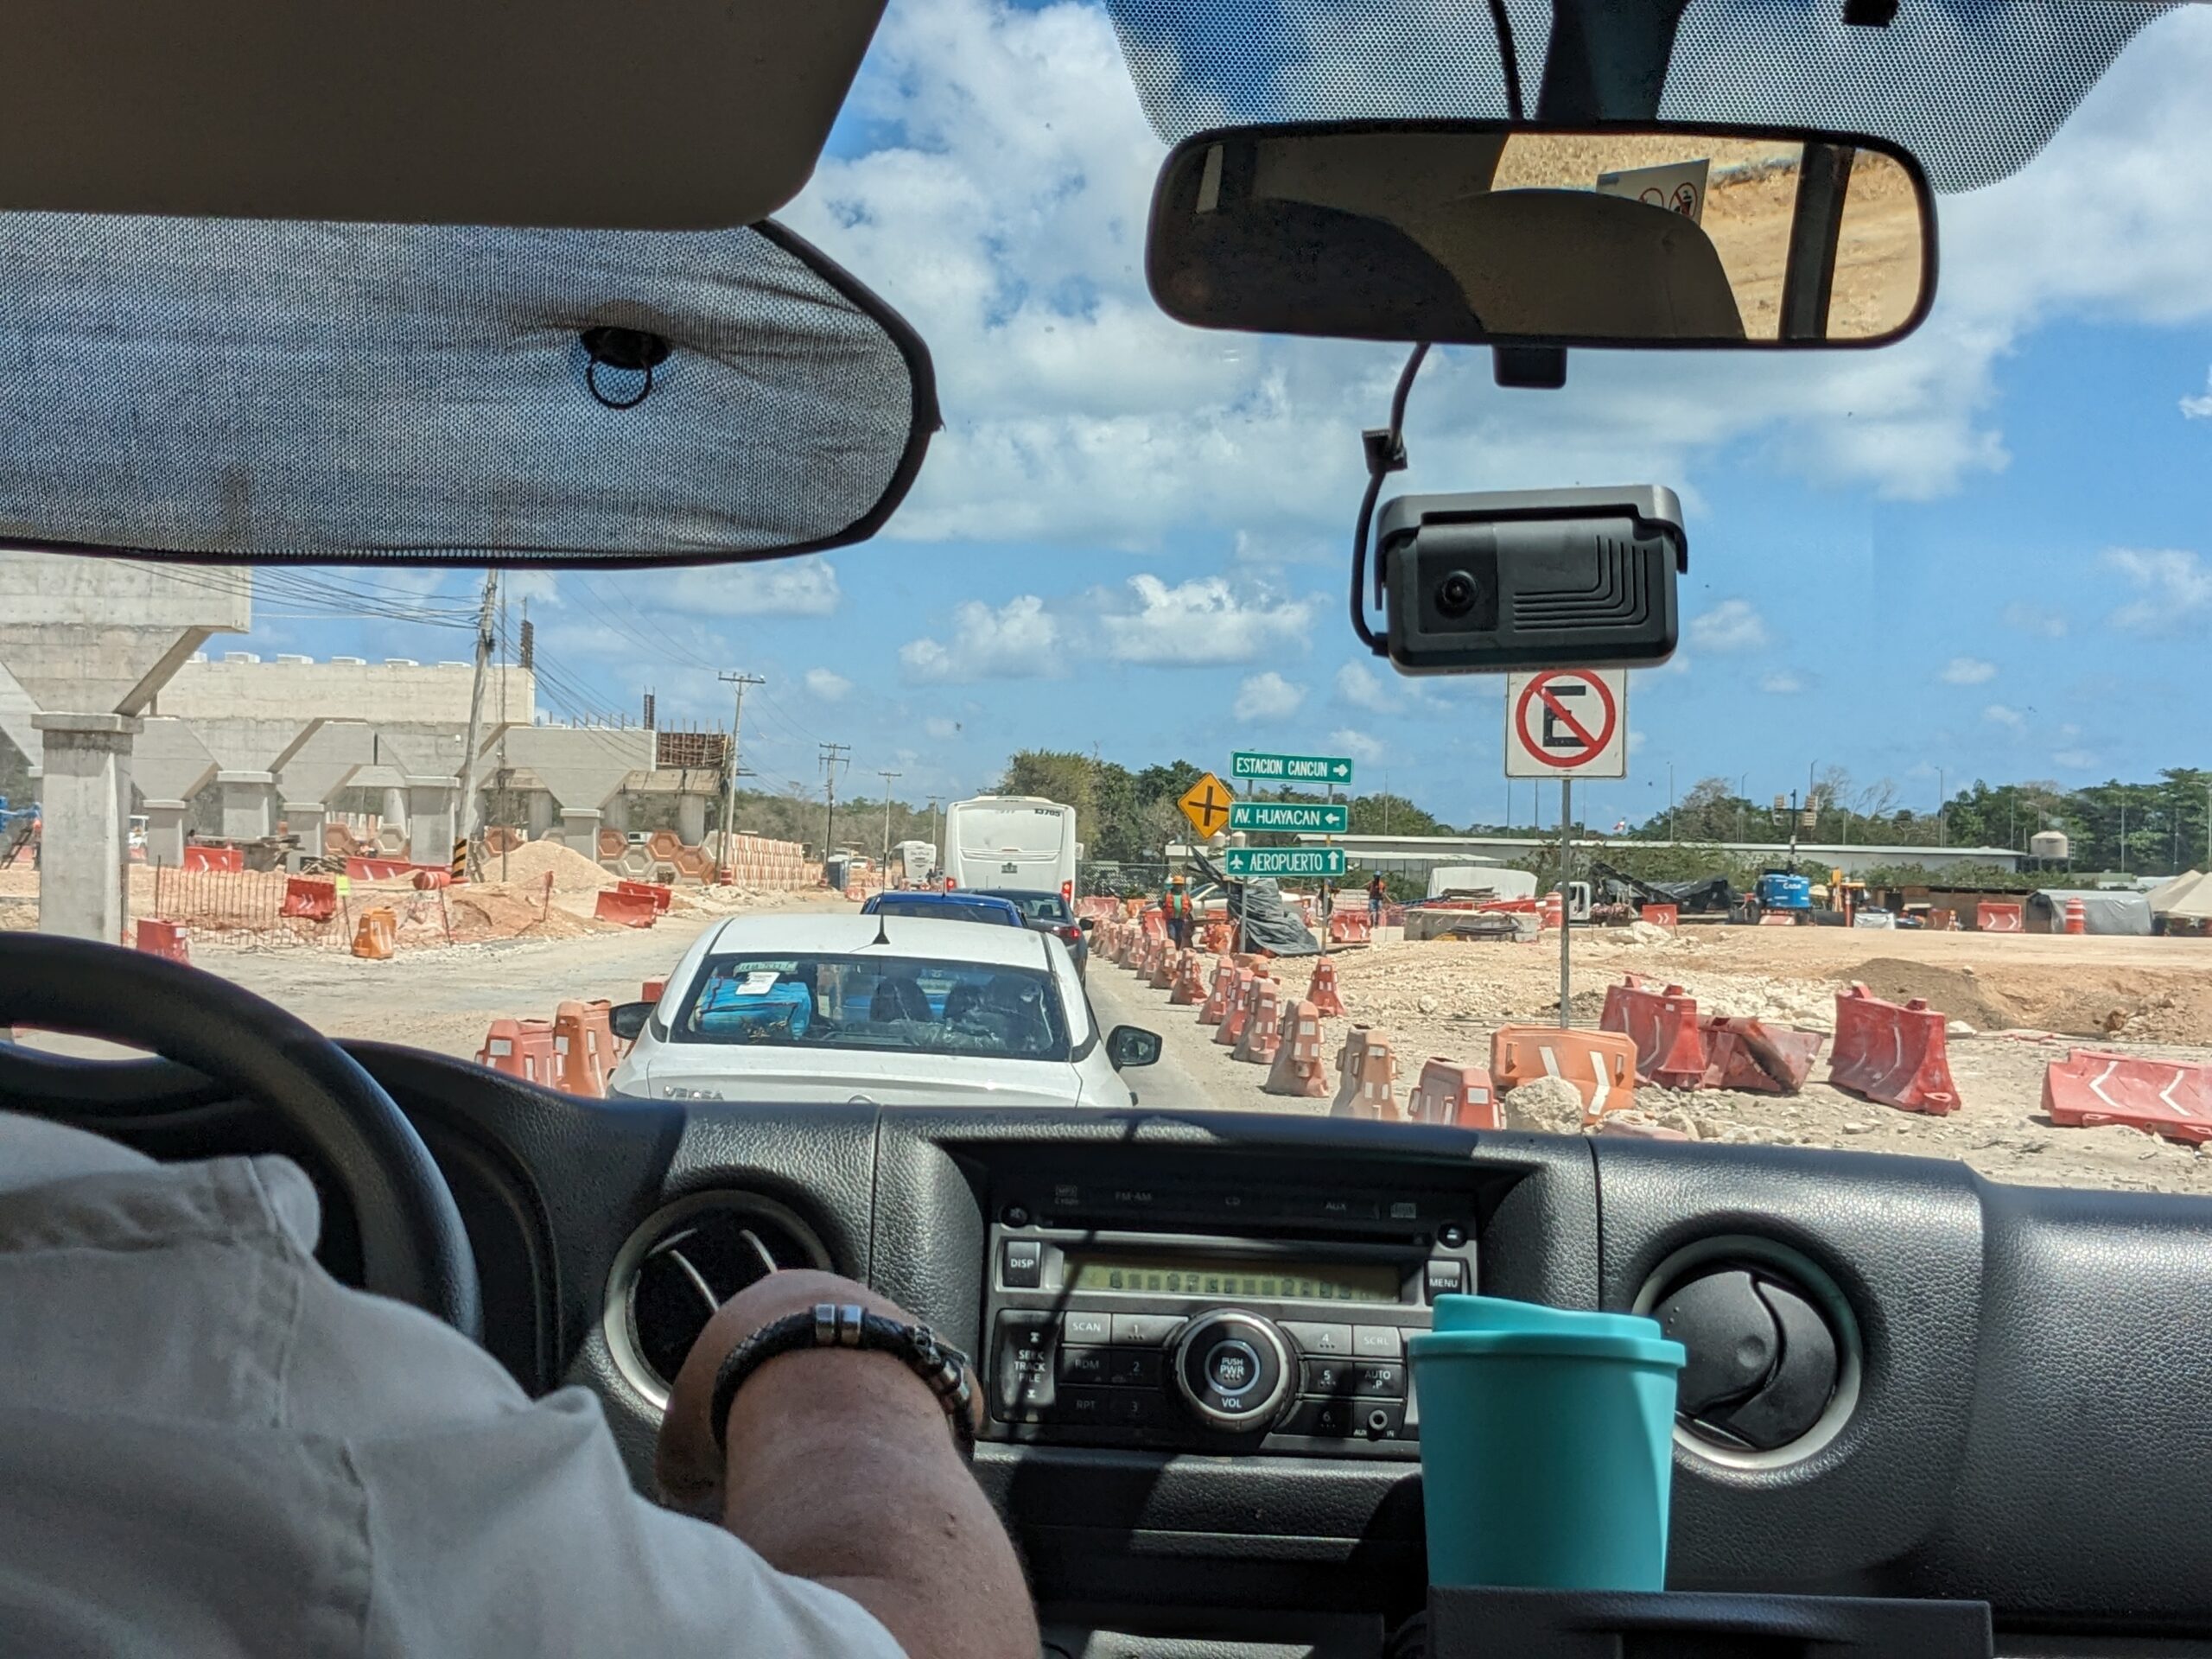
[521,1534]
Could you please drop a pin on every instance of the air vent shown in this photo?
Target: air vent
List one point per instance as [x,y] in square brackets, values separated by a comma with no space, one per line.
[684,1263]
[1774,1357]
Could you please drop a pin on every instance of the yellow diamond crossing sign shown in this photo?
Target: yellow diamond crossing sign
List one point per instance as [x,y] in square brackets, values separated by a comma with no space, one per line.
[1206,804]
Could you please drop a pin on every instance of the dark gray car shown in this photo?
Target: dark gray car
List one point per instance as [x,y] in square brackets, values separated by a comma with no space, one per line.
[1048,912]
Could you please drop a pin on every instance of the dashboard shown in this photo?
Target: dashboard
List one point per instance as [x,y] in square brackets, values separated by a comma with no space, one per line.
[1904,1380]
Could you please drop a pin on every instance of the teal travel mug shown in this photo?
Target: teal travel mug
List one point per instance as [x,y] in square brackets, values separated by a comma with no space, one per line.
[1546,1442]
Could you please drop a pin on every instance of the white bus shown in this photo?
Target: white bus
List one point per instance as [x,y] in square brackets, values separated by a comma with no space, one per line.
[911,862]
[1021,842]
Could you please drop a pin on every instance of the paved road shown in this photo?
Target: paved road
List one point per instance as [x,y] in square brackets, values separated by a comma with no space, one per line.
[1174,1085]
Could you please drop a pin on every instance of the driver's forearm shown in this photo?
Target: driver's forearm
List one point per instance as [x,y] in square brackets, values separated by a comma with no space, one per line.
[841,1470]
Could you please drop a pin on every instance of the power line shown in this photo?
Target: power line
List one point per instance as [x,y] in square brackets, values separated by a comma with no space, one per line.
[836,757]
[740,680]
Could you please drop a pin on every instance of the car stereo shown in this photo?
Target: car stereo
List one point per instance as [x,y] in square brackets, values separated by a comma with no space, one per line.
[1284,1338]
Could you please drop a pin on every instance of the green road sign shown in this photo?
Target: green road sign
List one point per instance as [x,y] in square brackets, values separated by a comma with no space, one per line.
[1284,860]
[1288,816]
[1290,768]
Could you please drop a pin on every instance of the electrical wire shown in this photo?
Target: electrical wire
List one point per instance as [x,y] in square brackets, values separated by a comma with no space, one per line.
[1508,65]
[1386,456]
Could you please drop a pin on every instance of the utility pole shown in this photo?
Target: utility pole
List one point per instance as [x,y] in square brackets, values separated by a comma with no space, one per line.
[466,826]
[740,680]
[937,852]
[1940,800]
[885,884]
[834,756]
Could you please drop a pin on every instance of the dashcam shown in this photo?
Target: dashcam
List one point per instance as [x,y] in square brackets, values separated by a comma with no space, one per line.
[1506,579]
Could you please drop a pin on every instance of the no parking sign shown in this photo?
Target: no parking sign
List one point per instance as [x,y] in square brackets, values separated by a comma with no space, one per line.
[1566,722]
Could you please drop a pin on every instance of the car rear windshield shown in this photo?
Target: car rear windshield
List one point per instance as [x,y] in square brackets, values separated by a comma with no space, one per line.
[1037,906]
[942,911]
[893,1003]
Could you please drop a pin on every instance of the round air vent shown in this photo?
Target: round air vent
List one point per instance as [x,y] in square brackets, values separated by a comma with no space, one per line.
[684,1263]
[1774,1357]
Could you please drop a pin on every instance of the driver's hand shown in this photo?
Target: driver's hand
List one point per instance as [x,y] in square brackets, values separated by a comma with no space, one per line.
[688,1467]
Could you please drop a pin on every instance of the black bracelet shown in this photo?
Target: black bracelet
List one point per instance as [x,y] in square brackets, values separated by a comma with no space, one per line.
[847,1325]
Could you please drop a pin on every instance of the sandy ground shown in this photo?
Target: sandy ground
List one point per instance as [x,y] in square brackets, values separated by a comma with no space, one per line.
[2016,1003]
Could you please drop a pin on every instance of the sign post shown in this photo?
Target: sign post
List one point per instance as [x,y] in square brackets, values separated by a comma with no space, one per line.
[1566,723]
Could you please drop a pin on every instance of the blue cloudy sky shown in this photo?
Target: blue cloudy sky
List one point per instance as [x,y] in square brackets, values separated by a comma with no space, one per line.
[1983,551]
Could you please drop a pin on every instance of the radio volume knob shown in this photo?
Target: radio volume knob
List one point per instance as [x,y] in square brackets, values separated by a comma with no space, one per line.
[1234,1370]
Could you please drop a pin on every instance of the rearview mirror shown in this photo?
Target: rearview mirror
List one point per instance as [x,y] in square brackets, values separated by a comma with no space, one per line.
[1474,233]
[626,1020]
[1129,1046]
[1088,923]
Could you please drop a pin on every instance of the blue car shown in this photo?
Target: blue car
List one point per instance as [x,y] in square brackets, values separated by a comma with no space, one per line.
[954,906]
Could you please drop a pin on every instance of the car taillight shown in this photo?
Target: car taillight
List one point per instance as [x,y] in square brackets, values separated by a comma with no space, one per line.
[1067,891]
[1073,934]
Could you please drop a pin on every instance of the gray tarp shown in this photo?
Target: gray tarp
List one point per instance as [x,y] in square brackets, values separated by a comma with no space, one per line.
[1269,924]
[2105,912]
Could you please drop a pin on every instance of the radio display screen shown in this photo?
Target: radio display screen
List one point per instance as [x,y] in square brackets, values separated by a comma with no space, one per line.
[1187,1275]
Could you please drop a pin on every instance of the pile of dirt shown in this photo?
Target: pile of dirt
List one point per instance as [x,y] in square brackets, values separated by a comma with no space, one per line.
[490,910]
[1959,993]
[530,864]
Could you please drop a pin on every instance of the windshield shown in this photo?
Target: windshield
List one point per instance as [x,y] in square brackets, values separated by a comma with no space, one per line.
[952,911]
[891,1004]
[1039,906]
[1937,726]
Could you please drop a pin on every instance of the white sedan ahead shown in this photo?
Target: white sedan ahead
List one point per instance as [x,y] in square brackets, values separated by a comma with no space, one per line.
[894,1009]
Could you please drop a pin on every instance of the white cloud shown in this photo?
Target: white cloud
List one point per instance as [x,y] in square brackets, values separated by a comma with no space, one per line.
[1201,621]
[2044,620]
[1267,696]
[2176,588]
[1362,687]
[1020,640]
[1006,217]
[941,728]
[1368,751]
[1783,684]
[1732,624]
[2074,760]
[829,686]
[2010,718]
[1968,671]
[2199,409]
[795,587]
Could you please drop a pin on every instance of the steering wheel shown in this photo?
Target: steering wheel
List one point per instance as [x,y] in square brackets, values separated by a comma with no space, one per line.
[413,1247]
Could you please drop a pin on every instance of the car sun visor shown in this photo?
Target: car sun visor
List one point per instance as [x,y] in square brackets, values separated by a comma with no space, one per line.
[683,115]
[243,390]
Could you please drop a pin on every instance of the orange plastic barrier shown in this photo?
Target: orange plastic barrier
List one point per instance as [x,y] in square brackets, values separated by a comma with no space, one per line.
[1216,1008]
[1662,915]
[1448,1093]
[1601,1064]
[1778,918]
[1257,1042]
[426,880]
[1892,1053]
[630,909]
[1367,1078]
[214,858]
[376,869]
[1552,910]
[583,1047]
[1218,936]
[1991,917]
[377,938]
[855,894]
[1153,923]
[1297,1070]
[1239,1007]
[2171,1098]
[2077,915]
[652,990]
[167,940]
[316,900]
[1323,992]
[1758,1059]
[652,892]
[1190,988]
[521,1048]
[1166,966]
[1350,927]
[1669,1047]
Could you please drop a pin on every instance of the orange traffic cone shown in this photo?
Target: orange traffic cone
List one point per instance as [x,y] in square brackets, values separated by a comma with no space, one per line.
[1322,994]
